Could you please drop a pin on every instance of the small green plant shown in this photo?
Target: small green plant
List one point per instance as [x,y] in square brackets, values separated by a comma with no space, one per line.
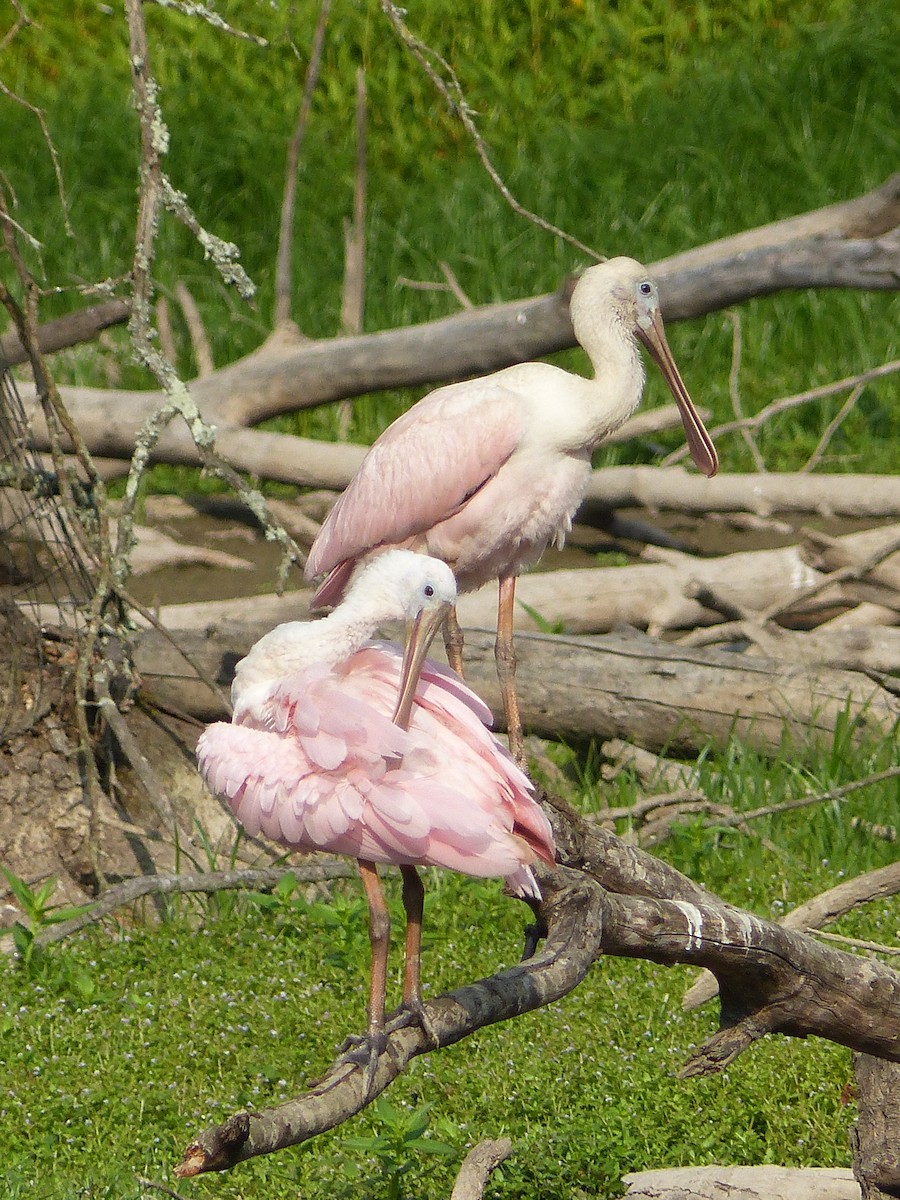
[544,626]
[397,1147]
[39,913]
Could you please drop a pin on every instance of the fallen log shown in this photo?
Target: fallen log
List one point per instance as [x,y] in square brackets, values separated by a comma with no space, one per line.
[619,685]
[742,1183]
[672,489]
[655,595]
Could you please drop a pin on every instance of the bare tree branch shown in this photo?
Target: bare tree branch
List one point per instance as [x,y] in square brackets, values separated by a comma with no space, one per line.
[80,326]
[477,1166]
[288,203]
[772,980]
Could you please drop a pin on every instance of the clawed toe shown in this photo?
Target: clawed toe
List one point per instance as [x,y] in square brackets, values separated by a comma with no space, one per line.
[364,1050]
[409,1013]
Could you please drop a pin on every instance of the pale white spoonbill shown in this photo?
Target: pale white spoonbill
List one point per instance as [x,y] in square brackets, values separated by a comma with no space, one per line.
[343,744]
[485,473]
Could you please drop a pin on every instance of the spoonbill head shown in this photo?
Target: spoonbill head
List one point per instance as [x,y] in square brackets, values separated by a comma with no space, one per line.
[485,473]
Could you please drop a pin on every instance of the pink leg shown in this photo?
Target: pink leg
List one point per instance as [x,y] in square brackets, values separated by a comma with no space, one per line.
[414,904]
[453,641]
[506,667]
[379,937]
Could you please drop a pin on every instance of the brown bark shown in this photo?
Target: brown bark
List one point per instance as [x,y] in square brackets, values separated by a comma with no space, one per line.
[814,913]
[772,980]
[82,325]
[618,685]
[875,1138]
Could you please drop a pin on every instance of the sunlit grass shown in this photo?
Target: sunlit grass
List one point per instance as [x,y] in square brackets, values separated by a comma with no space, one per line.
[644,128]
[641,134]
[118,1049]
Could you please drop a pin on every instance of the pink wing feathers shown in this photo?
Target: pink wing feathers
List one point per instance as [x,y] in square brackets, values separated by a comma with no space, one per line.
[329,770]
[420,471]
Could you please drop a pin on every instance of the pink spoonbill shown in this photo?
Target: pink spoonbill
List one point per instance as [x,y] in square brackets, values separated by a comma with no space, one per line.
[343,744]
[484,474]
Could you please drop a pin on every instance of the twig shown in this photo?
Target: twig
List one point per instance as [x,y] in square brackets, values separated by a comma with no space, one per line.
[192,9]
[22,22]
[38,114]
[165,330]
[454,97]
[454,285]
[207,882]
[786,403]
[477,1167]
[734,388]
[816,457]
[835,793]
[286,225]
[149,1183]
[129,746]
[354,290]
[857,942]
[193,320]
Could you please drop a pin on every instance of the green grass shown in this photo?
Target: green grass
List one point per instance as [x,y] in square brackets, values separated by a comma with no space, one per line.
[117,1050]
[642,129]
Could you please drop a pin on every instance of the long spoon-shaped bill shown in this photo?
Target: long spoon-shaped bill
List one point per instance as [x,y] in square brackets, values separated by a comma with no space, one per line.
[700,444]
[419,636]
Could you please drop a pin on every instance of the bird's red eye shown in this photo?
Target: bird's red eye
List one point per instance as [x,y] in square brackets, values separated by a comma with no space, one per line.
[429,590]
[646,288]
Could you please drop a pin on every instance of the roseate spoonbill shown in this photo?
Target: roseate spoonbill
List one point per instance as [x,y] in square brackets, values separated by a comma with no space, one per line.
[484,474]
[340,743]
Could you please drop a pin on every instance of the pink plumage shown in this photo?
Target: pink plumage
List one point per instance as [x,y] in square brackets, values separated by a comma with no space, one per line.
[486,473]
[325,768]
[343,744]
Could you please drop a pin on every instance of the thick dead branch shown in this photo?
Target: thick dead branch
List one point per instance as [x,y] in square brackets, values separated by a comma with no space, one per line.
[494,336]
[573,941]
[674,490]
[772,980]
[875,1136]
[471,1180]
[80,326]
[680,591]
[815,912]
[618,685]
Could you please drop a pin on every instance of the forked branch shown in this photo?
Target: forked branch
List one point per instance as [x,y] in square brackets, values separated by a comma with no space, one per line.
[772,979]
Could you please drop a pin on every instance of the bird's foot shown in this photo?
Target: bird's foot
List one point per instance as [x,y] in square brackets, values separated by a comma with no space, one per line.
[534,933]
[413,1012]
[364,1051]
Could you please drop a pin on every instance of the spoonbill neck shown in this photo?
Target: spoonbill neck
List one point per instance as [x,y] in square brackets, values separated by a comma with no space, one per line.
[296,646]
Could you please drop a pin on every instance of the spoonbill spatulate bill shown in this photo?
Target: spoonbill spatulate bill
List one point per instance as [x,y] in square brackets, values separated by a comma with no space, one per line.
[486,473]
[344,744]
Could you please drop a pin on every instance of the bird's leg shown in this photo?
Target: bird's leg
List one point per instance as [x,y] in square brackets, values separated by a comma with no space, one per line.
[453,640]
[536,931]
[414,905]
[366,1051]
[505,657]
